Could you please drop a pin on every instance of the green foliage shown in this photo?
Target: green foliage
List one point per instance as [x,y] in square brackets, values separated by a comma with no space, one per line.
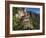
[35,22]
[17,24]
[15,10]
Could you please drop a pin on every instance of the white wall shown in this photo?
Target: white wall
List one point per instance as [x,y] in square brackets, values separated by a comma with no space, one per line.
[2,19]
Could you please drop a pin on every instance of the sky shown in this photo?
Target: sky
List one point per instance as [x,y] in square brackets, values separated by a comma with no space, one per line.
[35,10]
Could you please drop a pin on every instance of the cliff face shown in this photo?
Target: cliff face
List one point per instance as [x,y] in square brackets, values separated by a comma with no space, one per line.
[31,20]
[26,22]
